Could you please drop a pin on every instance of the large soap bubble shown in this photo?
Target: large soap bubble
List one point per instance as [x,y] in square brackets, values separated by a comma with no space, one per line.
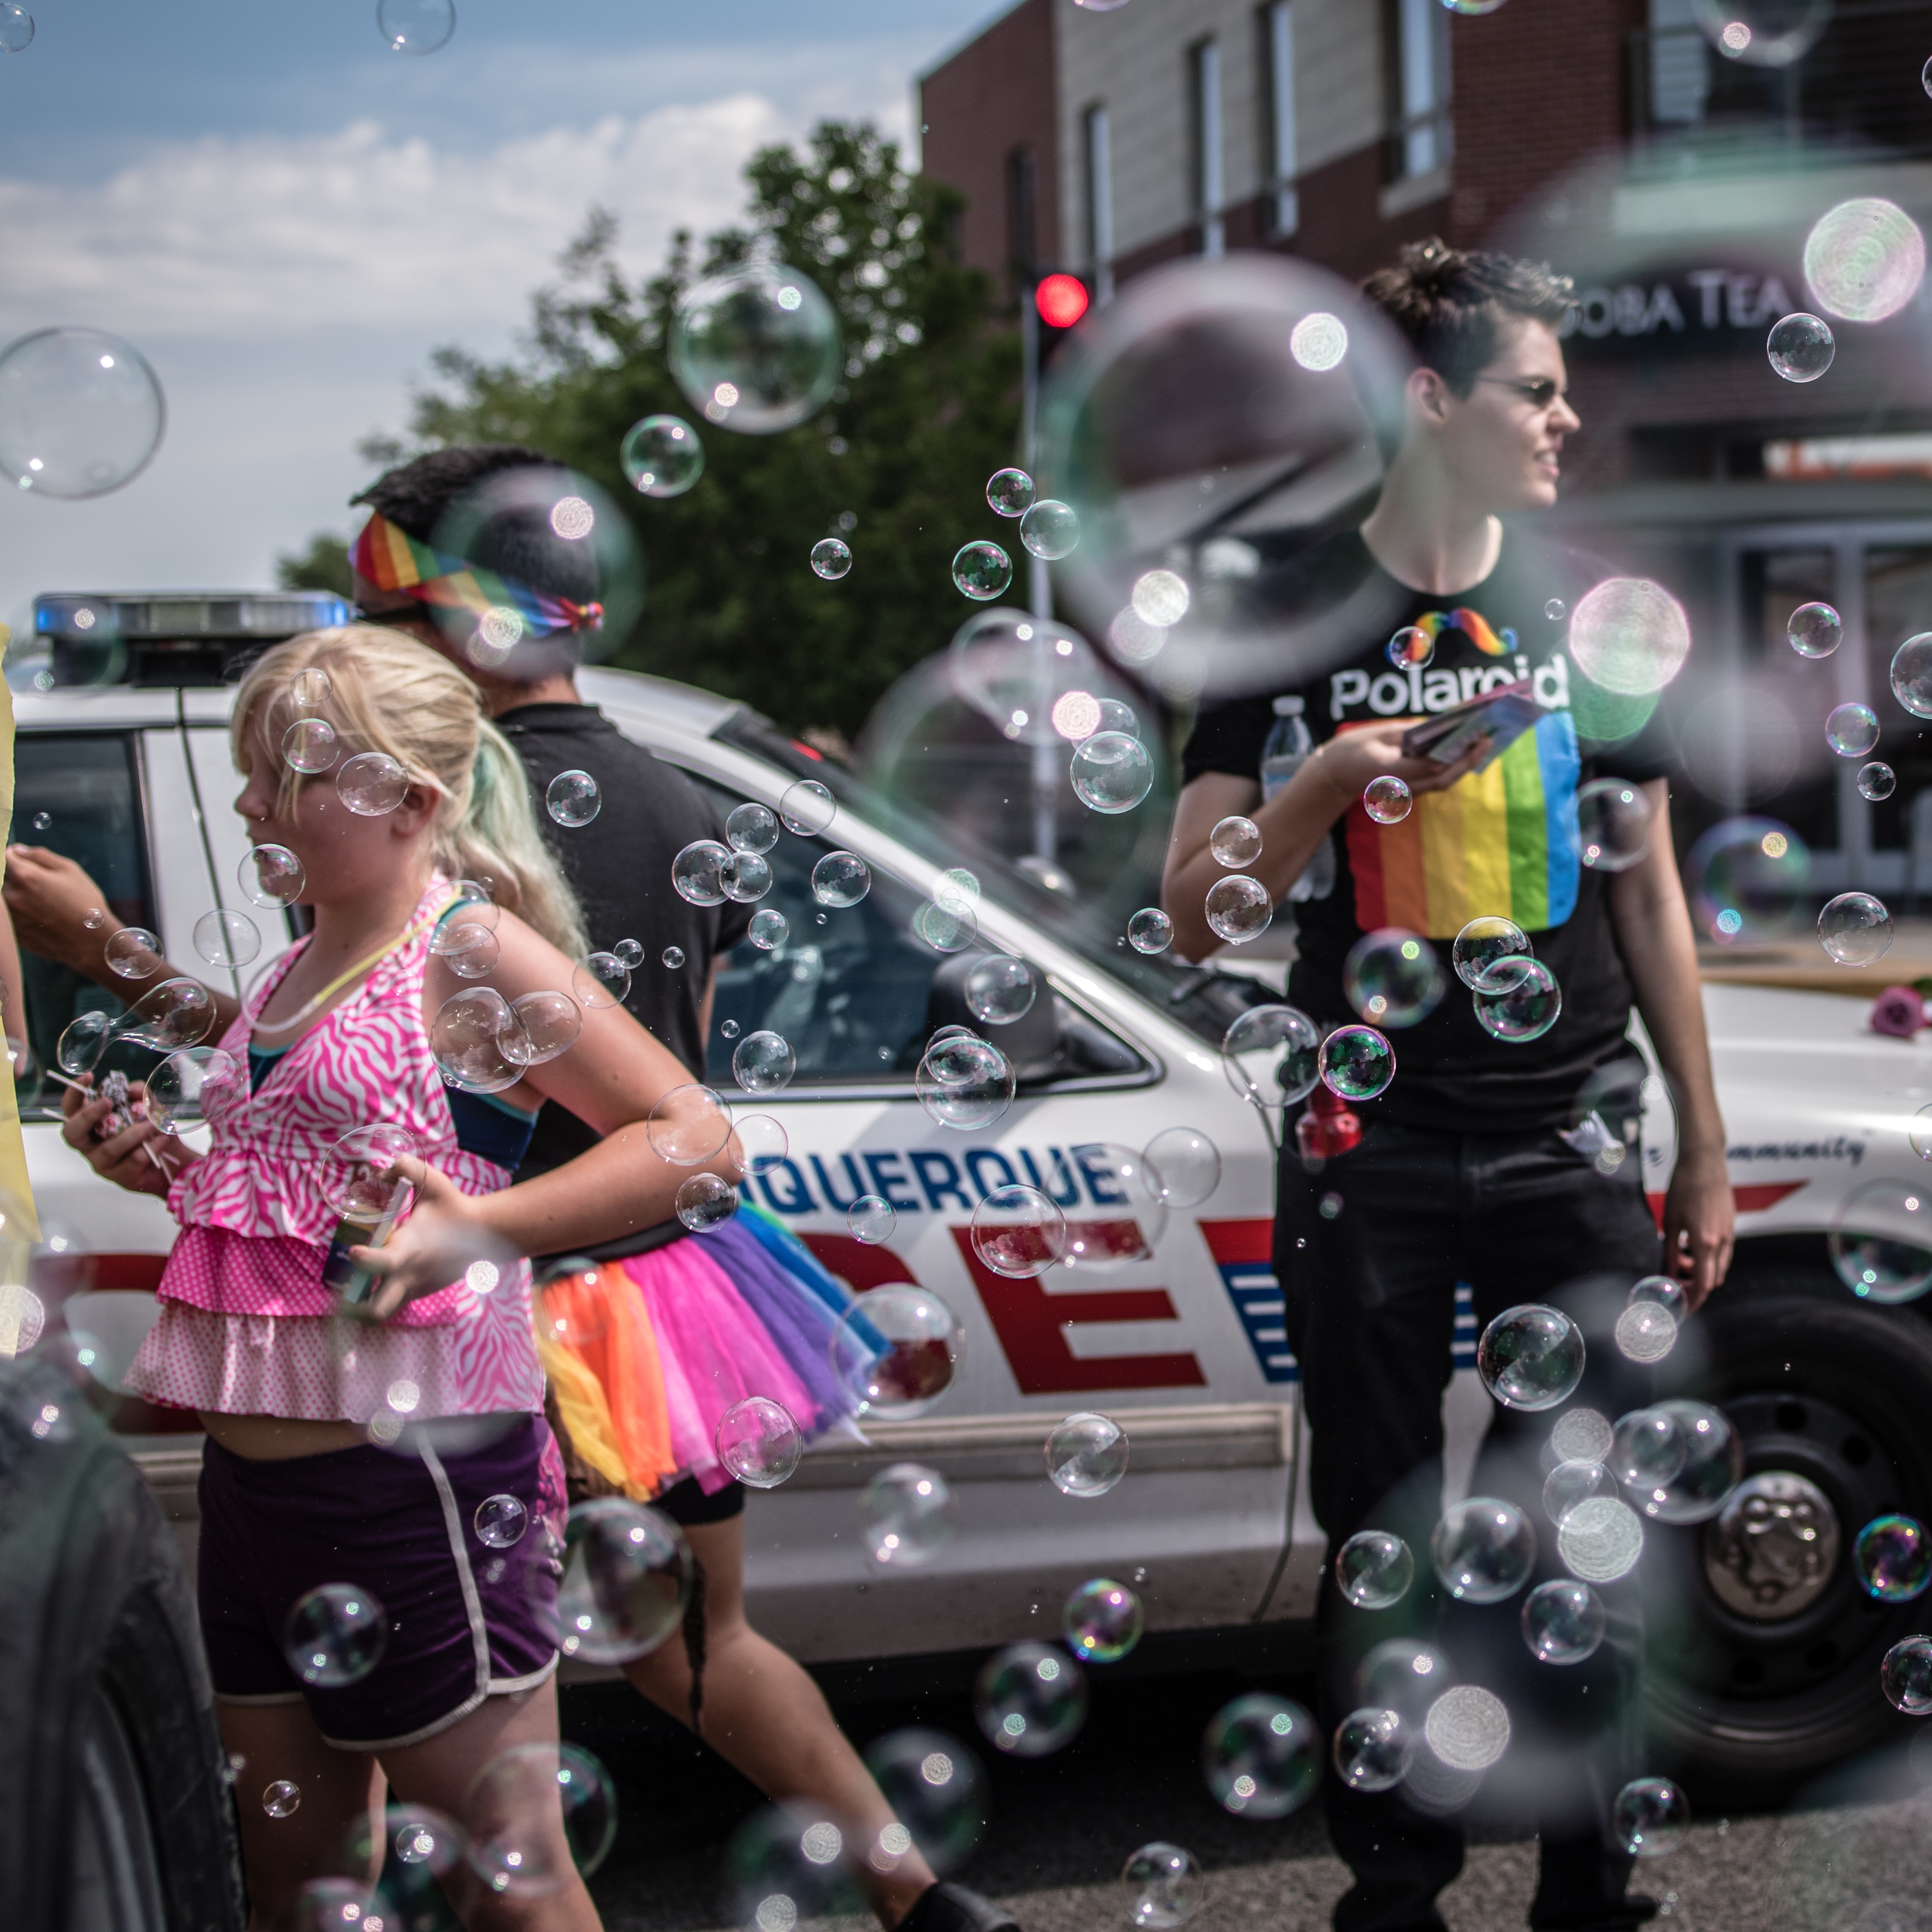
[81,413]
[896,1350]
[1261,1756]
[1748,879]
[1271,1056]
[627,1578]
[757,348]
[1531,1357]
[1030,1700]
[1864,259]
[1483,1549]
[1629,635]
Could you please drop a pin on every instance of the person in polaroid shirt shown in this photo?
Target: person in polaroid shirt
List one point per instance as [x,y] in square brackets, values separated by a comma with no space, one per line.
[1459,1172]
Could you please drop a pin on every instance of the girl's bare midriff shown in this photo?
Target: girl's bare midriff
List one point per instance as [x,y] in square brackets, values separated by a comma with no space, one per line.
[278,1439]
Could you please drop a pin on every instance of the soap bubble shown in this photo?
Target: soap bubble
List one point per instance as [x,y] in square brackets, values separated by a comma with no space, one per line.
[335,1635]
[1235,843]
[696,872]
[705,1202]
[134,952]
[1136,1211]
[1355,1063]
[746,877]
[688,1126]
[756,348]
[1877,781]
[600,981]
[1582,1435]
[1892,1559]
[672,957]
[1374,1568]
[1163,1884]
[1645,1332]
[177,1013]
[1612,824]
[1467,1727]
[1650,1817]
[762,1143]
[1030,1700]
[963,1083]
[1815,630]
[1111,773]
[1880,1241]
[768,929]
[1563,1623]
[1085,1455]
[282,1799]
[1271,1056]
[758,1440]
[1318,342]
[1531,1357]
[1801,348]
[1906,1676]
[416,26]
[807,807]
[906,1515]
[271,875]
[789,1864]
[752,827]
[1712,1467]
[981,571]
[1572,1482]
[1629,635]
[1101,1620]
[1161,597]
[1373,1750]
[1851,729]
[1483,943]
[1411,645]
[1184,1165]
[627,1579]
[16,28]
[938,1793]
[945,929]
[1000,990]
[1911,675]
[573,798]
[547,1024]
[896,1350]
[83,1040]
[1261,1756]
[81,413]
[1076,715]
[1483,1549]
[841,879]
[1660,1289]
[1239,908]
[661,456]
[227,939]
[1009,492]
[467,1040]
[358,1176]
[1762,33]
[831,558]
[501,1521]
[1855,929]
[1391,978]
[1748,877]
[1018,1231]
[1649,1448]
[468,949]
[511,1814]
[1864,259]
[1386,800]
[871,1219]
[1524,1010]
[371,784]
[1050,530]
[1599,1539]
[195,1088]
[309,745]
[1150,930]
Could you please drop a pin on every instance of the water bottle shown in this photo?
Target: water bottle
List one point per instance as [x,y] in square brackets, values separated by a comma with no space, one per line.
[1289,746]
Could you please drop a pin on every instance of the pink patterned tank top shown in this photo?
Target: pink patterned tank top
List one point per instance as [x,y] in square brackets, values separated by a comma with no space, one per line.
[256,1224]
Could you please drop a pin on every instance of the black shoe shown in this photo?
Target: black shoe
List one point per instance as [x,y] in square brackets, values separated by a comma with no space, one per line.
[1634,1909]
[951,1908]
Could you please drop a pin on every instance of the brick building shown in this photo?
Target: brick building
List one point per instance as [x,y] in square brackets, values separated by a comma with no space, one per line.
[1676,185]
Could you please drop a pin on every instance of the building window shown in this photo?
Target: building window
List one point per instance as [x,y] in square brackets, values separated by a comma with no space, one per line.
[1204,65]
[1278,119]
[1100,202]
[1419,88]
[1019,214]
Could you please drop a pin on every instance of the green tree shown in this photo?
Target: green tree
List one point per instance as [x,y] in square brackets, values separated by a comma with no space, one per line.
[896,463]
[324,565]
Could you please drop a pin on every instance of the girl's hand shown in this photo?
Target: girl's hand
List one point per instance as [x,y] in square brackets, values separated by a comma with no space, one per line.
[140,1158]
[1351,759]
[445,1231]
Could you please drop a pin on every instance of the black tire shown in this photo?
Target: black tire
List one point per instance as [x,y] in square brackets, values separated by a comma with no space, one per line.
[115,1815]
[1841,1394]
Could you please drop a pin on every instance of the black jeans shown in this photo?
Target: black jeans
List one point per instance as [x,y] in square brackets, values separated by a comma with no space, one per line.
[1370,1293]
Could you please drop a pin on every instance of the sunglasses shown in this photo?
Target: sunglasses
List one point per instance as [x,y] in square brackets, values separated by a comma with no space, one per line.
[1541,392]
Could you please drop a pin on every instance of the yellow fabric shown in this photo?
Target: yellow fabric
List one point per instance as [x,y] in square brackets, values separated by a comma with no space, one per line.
[13,1153]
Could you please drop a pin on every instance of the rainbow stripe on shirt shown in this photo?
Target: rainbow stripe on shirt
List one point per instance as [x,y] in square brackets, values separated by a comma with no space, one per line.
[1497,843]
[1473,626]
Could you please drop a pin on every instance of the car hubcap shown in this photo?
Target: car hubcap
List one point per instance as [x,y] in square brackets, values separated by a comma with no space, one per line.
[1773,1551]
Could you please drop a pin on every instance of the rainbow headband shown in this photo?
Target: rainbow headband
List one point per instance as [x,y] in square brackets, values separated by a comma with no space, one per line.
[1472,625]
[392,559]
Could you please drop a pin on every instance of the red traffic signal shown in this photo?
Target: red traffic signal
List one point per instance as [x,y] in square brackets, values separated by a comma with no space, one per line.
[1061,301]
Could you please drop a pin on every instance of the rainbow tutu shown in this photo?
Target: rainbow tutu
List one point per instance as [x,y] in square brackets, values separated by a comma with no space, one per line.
[644,1354]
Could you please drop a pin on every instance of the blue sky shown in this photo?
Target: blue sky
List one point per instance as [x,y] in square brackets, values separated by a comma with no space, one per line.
[286,217]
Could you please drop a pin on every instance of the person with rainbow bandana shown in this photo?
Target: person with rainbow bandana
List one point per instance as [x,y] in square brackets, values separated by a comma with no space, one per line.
[1468,1171]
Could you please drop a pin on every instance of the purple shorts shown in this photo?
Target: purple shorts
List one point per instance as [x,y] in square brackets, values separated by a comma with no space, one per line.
[465,1621]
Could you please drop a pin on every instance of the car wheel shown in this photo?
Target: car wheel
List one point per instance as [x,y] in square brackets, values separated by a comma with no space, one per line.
[115,1813]
[1764,1649]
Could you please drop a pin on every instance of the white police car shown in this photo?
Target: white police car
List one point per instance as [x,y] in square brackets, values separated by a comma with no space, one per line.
[1767,1665]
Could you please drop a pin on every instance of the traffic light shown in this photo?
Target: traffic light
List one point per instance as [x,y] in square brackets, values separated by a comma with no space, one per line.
[1060,301]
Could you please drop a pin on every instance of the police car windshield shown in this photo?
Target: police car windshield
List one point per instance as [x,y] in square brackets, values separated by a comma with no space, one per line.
[1204,999]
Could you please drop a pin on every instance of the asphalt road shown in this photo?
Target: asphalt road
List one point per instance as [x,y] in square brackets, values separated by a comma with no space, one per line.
[1853,1854]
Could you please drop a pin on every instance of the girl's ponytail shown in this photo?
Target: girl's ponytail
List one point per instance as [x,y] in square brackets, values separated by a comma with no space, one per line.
[495,837]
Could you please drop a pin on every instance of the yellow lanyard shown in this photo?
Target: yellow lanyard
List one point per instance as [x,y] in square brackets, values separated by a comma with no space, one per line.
[427,924]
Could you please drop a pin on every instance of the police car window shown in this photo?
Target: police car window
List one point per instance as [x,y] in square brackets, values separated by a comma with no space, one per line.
[79,793]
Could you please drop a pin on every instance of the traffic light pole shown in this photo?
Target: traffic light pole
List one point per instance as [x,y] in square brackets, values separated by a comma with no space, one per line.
[1047,773]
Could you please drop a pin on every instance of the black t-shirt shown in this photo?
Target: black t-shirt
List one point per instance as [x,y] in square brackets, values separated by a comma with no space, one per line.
[620,866]
[1501,841]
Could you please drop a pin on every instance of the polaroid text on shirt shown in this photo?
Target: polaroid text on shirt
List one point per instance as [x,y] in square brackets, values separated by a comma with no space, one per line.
[1397,694]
